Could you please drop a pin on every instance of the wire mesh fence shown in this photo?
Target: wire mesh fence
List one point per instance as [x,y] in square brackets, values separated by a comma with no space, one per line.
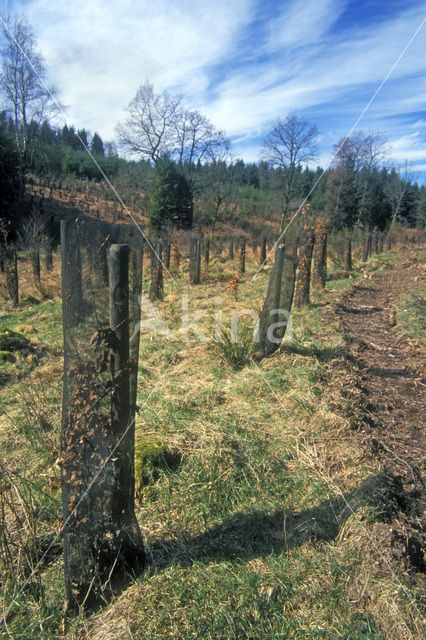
[101,282]
[275,314]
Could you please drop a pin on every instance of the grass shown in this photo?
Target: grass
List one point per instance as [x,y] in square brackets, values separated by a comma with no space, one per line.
[245,531]
[411,312]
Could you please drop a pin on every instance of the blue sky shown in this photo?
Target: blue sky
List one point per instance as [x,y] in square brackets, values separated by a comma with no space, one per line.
[244,63]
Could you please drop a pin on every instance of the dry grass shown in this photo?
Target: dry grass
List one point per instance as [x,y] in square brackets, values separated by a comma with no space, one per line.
[49,288]
[248,536]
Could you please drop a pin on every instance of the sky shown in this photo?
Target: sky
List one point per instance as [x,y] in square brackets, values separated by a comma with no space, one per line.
[243,64]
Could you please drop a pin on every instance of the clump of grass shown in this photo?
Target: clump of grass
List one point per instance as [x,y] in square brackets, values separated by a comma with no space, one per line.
[235,350]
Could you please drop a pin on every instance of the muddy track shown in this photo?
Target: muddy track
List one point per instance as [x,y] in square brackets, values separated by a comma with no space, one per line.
[388,371]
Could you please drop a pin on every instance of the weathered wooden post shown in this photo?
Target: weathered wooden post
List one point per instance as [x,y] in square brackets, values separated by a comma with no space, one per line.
[156,291]
[194,261]
[242,255]
[319,272]
[35,263]
[102,540]
[367,246]
[231,250]
[129,545]
[370,244]
[206,247]
[275,314]
[262,258]
[10,263]
[48,255]
[167,249]
[348,253]
[303,278]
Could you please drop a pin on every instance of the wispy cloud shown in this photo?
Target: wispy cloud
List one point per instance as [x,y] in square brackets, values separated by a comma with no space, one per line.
[99,53]
[410,147]
[243,63]
[303,23]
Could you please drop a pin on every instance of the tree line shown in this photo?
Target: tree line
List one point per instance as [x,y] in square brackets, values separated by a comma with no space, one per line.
[184,165]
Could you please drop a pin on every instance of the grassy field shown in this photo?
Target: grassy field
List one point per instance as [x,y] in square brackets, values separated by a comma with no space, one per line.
[255,501]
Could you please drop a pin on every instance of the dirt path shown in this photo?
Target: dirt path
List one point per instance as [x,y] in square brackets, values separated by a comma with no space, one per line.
[389,375]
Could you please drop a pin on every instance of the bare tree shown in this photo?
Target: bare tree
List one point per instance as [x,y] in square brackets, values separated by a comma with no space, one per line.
[150,128]
[32,237]
[23,83]
[158,126]
[396,188]
[197,138]
[289,143]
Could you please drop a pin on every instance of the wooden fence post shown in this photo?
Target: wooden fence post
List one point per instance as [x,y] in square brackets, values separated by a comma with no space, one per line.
[262,258]
[167,249]
[48,257]
[206,246]
[156,291]
[319,272]
[231,250]
[367,246]
[278,302]
[194,261]
[303,278]
[242,255]
[11,268]
[129,543]
[348,254]
[102,539]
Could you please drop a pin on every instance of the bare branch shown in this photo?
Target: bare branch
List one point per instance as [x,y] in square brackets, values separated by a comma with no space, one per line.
[158,126]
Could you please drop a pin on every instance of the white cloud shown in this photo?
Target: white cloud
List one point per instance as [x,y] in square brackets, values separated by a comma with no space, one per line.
[324,72]
[418,168]
[241,78]
[303,22]
[99,53]
[409,147]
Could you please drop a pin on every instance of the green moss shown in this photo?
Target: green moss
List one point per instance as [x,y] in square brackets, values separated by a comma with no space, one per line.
[152,457]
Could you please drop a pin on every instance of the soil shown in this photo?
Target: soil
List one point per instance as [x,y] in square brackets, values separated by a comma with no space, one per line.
[386,392]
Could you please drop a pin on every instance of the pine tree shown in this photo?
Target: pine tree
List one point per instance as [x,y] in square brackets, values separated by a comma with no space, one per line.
[171,199]
[97,146]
